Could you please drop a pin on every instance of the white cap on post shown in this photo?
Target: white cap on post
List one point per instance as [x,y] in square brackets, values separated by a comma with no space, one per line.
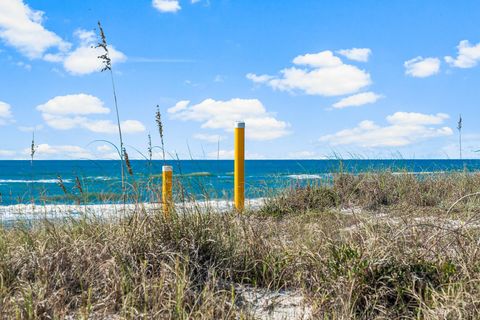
[167,168]
[239,124]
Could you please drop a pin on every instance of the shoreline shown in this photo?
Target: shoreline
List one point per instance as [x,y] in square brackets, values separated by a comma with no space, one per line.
[31,212]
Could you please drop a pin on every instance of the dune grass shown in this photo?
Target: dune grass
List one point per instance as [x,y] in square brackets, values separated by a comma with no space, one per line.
[375,245]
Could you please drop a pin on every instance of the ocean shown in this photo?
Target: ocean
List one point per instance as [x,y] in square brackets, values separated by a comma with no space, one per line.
[22,182]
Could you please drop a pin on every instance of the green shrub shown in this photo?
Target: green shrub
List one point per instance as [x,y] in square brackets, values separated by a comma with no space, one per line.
[300,200]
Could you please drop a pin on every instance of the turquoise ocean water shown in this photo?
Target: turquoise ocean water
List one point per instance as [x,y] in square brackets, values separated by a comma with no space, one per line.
[39,182]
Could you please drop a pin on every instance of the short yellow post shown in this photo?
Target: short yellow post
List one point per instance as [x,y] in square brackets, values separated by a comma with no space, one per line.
[239,165]
[167,175]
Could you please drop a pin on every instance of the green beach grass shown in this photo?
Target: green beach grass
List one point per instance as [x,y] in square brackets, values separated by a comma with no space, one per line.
[370,246]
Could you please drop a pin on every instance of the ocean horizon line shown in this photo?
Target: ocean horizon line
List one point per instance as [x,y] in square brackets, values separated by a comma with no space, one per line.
[272,159]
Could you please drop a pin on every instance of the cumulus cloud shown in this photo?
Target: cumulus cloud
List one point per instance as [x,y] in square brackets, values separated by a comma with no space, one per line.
[356,54]
[321,59]
[74,104]
[179,106]
[403,128]
[357,100]
[422,67]
[468,55]
[211,138]
[166,5]
[21,27]
[323,74]
[5,112]
[223,114]
[71,111]
[84,59]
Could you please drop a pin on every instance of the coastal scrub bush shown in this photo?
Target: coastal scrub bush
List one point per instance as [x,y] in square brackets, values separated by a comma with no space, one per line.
[301,199]
[376,189]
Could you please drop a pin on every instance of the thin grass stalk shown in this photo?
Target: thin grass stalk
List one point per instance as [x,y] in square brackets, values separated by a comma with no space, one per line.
[158,119]
[107,65]
[78,186]
[127,162]
[33,149]
[61,184]
[150,153]
[459,127]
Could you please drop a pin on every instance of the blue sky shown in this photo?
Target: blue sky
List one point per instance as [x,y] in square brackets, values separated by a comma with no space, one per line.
[371,79]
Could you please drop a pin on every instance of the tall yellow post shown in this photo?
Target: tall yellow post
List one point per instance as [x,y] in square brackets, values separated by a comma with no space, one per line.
[167,176]
[239,165]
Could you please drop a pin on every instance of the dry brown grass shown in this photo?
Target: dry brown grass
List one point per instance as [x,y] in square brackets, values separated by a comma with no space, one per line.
[400,257]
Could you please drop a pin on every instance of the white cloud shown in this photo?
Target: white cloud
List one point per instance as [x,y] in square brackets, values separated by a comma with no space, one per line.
[21,27]
[324,74]
[179,106]
[356,54]
[98,126]
[5,112]
[166,5]
[358,99]
[470,147]
[85,37]
[70,111]
[30,128]
[404,128]
[7,153]
[468,55]
[24,65]
[107,126]
[104,148]
[46,151]
[414,118]
[213,114]
[302,155]
[74,104]
[84,59]
[259,79]
[422,67]
[229,154]
[211,138]
[321,59]
[222,154]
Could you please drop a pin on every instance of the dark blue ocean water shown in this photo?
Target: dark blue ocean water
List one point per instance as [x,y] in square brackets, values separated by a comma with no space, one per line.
[23,182]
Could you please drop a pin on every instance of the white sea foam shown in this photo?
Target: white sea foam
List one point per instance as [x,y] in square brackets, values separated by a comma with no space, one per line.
[31,212]
[102,178]
[33,181]
[304,176]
